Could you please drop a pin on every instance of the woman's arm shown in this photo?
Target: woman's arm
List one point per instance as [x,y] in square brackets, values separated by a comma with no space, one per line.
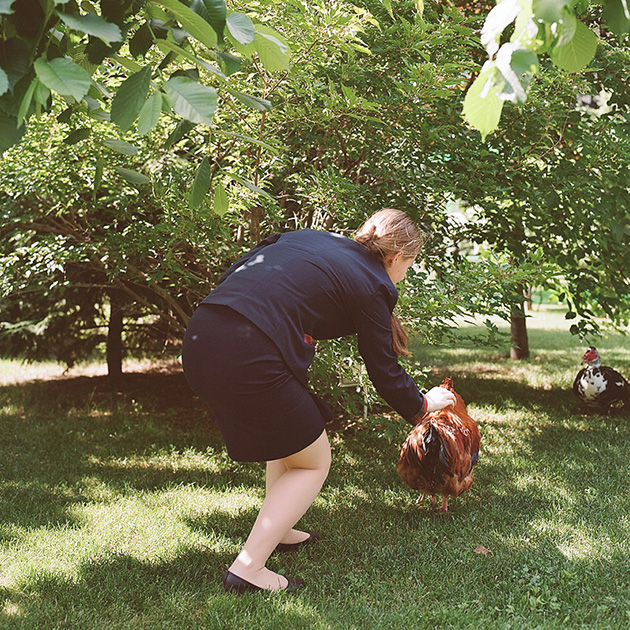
[374,333]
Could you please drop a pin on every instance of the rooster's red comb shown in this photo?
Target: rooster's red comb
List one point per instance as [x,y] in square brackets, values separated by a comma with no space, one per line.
[447,383]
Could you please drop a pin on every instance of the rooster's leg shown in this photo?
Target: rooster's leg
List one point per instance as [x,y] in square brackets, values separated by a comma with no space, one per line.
[444,506]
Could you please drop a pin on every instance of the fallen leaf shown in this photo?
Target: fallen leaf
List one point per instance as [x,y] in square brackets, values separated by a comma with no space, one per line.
[482,550]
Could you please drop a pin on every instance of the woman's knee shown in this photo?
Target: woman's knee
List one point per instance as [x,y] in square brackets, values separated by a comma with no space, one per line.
[315,456]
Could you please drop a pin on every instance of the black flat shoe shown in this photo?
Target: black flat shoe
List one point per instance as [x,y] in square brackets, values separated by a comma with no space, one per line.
[285,547]
[234,584]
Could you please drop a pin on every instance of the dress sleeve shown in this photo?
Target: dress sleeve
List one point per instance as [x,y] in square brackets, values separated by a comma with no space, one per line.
[372,322]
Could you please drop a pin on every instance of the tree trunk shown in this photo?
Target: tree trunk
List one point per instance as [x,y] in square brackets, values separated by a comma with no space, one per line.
[518,329]
[114,339]
[256,213]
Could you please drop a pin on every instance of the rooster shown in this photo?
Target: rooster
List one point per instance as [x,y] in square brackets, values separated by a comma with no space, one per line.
[599,386]
[441,451]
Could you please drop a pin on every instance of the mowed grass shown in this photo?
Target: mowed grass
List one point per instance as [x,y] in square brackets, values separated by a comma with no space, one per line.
[121,509]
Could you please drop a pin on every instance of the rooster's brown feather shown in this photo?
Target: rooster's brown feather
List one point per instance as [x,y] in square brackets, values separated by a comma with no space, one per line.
[441,451]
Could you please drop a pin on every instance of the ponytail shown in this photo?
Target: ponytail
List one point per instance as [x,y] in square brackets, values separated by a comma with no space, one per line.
[400,338]
[385,233]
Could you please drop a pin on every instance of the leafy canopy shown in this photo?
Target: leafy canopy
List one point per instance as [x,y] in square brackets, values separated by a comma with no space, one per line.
[516,33]
[93,57]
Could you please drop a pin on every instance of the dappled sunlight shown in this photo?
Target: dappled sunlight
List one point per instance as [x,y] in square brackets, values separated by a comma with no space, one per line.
[148,527]
[346,494]
[14,371]
[12,610]
[582,540]
[188,461]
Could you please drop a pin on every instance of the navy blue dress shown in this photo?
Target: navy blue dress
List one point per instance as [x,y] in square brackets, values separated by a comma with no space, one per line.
[248,347]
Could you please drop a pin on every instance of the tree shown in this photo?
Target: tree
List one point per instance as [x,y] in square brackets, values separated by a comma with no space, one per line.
[553,179]
[149,247]
[94,238]
[368,116]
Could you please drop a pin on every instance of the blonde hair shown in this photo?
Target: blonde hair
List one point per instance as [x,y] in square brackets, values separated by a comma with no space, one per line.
[385,233]
[388,232]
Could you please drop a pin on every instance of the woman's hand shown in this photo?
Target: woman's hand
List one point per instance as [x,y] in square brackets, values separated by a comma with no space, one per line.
[438,398]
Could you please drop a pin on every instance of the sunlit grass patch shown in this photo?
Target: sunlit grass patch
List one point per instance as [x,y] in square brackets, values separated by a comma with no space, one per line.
[14,371]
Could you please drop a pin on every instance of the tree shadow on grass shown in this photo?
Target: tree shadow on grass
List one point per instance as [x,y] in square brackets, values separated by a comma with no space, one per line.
[71,441]
[544,455]
[115,592]
[404,578]
[119,591]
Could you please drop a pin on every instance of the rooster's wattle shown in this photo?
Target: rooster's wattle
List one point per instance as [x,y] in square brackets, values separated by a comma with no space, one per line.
[599,386]
[440,452]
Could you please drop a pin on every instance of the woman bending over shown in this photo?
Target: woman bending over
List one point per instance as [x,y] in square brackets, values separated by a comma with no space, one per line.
[248,348]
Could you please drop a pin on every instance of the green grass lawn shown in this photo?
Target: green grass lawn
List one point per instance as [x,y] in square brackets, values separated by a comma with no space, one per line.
[121,509]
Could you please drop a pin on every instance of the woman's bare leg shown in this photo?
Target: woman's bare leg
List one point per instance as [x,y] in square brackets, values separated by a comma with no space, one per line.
[275,470]
[289,495]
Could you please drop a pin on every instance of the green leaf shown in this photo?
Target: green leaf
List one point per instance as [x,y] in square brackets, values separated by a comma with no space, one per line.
[64,77]
[616,14]
[180,131]
[142,41]
[201,184]
[133,177]
[120,146]
[16,59]
[578,53]
[517,66]
[98,175]
[65,115]
[254,102]
[150,113]
[230,63]
[241,28]
[4,82]
[128,64]
[77,135]
[192,101]
[165,46]
[130,98]
[212,11]
[92,25]
[42,93]
[272,48]
[221,204]
[525,65]
[526,32]
[10,132]
[251,186]
[248,139]
[25,105]
[565,30]
[193,23]
[482,106]
[549,10]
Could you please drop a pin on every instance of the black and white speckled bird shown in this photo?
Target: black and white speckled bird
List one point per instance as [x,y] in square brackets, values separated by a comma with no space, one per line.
[599,386]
